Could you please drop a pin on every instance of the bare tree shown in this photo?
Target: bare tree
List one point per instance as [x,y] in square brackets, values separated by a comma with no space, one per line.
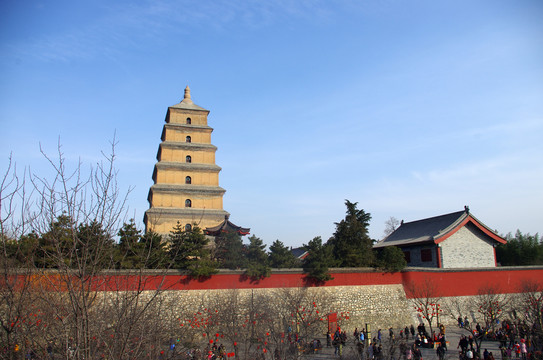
[78,216]
[17,293]
[426,300]
[491,303]
[528,307]
[244,321]
[88,310]
[391,225]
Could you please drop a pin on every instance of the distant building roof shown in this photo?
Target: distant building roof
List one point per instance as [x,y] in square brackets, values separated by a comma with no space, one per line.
[434,230]
[226,227]
[300,253]
[187,103]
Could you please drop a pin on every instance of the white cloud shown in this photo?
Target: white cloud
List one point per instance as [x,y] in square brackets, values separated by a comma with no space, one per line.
[125,26]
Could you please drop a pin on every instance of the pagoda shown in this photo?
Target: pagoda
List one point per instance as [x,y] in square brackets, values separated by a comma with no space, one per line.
[186,179]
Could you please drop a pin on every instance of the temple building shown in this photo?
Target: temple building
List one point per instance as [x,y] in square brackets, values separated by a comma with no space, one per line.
[186,179]
[455,240]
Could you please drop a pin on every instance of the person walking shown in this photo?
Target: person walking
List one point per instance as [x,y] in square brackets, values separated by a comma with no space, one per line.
[440,352]
[523,349]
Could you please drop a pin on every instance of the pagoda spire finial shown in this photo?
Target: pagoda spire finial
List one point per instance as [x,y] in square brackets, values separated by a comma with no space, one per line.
[187,99]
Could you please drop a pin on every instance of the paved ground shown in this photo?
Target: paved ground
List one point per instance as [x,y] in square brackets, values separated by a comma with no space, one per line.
[453,337]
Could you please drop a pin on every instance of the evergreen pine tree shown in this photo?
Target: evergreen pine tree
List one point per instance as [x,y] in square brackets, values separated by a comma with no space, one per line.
[94,247]
[189,251]
[392,259]
[318,260]
[154,252]
[230,251]
[257,259]
[351,244]
[129,252]
[280,256]
[55,246]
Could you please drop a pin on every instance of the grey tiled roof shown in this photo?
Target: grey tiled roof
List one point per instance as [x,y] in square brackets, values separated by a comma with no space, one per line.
[435,230]
[425,230]
[226,226]
[298,252]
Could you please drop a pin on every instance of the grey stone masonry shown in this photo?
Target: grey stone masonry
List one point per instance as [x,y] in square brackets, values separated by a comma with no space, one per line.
[467,248]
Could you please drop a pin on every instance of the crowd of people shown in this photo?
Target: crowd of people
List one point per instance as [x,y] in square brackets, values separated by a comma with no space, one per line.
[375,348]
[515,342]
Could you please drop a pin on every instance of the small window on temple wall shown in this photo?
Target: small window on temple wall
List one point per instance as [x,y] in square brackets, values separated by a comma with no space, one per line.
[407,256]
[188,180]
[189,121]
[188,139]
[188,159]
[188,227]
[426,255]
[188,203]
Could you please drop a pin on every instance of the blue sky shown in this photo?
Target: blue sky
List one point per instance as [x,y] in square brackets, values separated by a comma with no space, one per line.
[410,108]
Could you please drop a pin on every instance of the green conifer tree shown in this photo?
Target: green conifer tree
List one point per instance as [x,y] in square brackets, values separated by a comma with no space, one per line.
[154,251]
[189,251]
[318,260]
[280,256]
[351,244]
[93,246]
[56,245]
[230,251]
[257,259]
[392,259]
[129,253]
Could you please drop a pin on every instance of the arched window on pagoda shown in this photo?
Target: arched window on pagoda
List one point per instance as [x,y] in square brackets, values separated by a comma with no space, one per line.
[189,121]
[188,159]
[188,203]
[188,180]
[188,227]
[188,139]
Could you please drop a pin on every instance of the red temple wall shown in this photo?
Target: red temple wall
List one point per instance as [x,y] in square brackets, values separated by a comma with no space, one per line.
[447,282]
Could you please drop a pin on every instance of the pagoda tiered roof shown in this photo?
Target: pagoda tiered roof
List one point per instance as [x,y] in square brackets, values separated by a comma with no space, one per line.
[226,227]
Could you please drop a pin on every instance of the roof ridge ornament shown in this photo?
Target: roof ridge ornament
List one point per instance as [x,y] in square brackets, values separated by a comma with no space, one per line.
[187,99]
[466,208]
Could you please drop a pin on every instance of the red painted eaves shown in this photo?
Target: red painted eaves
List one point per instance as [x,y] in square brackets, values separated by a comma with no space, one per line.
[474,221]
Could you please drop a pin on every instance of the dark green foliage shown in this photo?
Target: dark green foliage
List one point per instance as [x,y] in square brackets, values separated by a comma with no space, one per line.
[129,253]
[129,236]
[280,256]
[153,251]
[257,259]
[137,251]
[522,249]
[55,247]
[93,246]
[351,244]
[67,245]
[202,268]
[318,260]
[22,252]
[189,251]
[230,251]
[392,259]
